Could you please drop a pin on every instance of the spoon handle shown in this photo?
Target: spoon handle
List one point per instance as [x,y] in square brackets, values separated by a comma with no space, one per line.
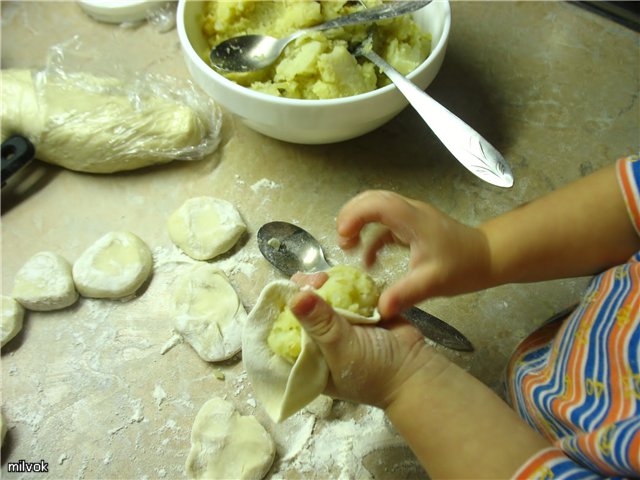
[387,10]
[467,145]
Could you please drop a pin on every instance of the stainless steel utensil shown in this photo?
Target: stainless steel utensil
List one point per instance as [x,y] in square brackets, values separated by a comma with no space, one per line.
[292,249]
[467,145]
[248,53]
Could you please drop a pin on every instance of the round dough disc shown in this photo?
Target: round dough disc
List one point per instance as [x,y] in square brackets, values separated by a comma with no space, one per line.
[45,283]
[115,266]
[209,314]
[12,316]
[225,444]
[205,227]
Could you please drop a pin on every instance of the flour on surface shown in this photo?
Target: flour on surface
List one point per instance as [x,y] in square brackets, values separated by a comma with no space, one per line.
[265,183]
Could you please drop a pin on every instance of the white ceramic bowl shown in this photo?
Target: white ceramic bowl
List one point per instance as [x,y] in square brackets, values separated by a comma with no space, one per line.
[309,121]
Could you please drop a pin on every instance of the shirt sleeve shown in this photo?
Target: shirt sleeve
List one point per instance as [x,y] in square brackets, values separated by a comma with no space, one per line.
[552,463]
[628,170]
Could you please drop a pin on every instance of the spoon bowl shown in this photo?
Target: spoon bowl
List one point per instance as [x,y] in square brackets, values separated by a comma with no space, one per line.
[292,249]
[248,53]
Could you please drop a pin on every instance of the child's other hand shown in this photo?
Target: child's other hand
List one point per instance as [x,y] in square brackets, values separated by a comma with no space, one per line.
[446,257]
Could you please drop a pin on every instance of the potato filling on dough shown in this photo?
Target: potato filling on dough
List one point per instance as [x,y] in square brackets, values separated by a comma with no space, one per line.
[347,288]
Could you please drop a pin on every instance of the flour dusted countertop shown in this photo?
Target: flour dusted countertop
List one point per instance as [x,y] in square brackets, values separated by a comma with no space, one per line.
[89,390]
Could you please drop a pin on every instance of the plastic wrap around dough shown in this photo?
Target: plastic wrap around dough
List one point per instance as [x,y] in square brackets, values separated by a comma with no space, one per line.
[102,125]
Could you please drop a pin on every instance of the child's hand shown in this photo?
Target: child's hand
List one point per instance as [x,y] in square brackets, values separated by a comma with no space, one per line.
[367,364]
[447,257]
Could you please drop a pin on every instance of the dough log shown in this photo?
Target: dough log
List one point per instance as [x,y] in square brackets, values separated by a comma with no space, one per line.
[90,124]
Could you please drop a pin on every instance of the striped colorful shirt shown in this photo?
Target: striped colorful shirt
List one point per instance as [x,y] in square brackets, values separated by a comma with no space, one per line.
[577,379]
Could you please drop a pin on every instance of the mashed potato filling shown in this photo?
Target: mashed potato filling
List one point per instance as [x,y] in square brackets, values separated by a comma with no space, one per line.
[318,65]
[347,288]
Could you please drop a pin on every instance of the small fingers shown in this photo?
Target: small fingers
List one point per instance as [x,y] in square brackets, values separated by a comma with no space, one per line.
[373,206]
[405,293]
[376,243]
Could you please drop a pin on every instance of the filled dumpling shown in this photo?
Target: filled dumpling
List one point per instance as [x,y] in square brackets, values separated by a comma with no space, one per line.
[285,367]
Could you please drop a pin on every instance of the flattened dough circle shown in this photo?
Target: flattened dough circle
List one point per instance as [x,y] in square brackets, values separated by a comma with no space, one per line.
[115,266]
[208,313]
[12,316]
[45,283]
[205,227]
[225,444]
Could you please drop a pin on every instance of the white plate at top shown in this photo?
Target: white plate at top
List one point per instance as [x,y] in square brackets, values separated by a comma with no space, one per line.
[118,11]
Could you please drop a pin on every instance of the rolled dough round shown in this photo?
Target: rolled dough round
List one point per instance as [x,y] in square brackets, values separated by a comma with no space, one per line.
[45,283]
[208,313]
[115,266]
[12,316]
[225,444]
[205,227]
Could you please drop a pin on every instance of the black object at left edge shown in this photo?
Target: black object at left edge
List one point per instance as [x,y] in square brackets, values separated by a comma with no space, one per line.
[17,151]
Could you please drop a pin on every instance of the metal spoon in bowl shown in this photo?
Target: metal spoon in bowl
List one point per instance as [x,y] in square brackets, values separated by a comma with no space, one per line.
[292,249]
[467,145]
[248,53]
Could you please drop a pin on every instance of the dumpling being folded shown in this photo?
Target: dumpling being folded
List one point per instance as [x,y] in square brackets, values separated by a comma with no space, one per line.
[286,368]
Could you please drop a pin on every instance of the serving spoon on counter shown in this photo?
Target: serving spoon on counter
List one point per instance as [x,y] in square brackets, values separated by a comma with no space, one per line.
[247,53]
[292,249]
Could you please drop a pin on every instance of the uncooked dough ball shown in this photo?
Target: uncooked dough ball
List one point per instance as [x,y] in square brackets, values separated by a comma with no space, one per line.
[45,283]
[12,316]
[225,444]
[205,227]
[115,266]
[208,313]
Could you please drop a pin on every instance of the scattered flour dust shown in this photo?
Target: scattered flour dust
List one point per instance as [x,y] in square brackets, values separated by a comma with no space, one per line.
[159,395]
[265,183]
[309,445]
[334,447]
[326,445]
[168,260]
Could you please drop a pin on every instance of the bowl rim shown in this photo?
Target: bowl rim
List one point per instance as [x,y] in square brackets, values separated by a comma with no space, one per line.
[298,102]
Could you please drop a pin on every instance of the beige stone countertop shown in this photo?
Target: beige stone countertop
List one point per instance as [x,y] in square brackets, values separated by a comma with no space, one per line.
[86,389]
